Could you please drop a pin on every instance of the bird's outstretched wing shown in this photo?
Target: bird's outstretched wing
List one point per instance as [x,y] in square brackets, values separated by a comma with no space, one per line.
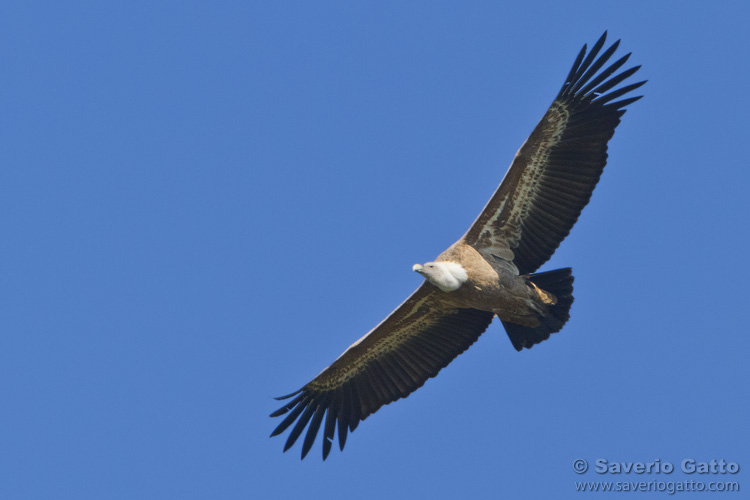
[414,343]
[555,171]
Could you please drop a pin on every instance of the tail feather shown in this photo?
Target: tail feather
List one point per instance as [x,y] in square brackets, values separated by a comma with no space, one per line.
[559,283]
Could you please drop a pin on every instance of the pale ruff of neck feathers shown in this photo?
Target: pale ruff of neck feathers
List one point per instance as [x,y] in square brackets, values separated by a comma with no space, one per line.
[450,276]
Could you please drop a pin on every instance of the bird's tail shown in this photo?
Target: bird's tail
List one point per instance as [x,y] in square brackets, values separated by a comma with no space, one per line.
[558,283]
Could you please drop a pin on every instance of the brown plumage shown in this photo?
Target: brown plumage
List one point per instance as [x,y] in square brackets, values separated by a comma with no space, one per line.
[486,273]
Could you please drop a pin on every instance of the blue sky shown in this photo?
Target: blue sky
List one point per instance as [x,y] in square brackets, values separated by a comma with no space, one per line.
[204,204]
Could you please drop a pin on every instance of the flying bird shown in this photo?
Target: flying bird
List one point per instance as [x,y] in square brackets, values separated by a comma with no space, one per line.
[489,272]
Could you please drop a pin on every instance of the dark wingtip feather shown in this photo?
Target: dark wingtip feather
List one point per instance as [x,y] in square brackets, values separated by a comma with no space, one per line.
[281,398]
[342,436]
[312,431]
[289,418]
[300,426]
[573,70]
[287,406]
[604,75]
[587,83]
[595,67]
[625,102]
[589,58]
[330,426]
[614,81]
[618,93]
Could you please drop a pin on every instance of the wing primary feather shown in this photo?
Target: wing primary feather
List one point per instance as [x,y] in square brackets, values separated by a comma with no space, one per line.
[614,81]
[344,414]
[573,70]
[289,395]
[330,426]
[604,75]
[290,418]
[589,58]
[300,426]
[622,104]
[355,413]
[287,406]
[618,93]
[595,67]
[312,431]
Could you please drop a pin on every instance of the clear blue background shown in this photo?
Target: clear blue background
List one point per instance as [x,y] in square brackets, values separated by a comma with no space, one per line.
[204,204]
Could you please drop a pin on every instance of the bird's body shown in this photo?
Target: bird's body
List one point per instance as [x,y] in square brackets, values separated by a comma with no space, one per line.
[488,272]
[492,284]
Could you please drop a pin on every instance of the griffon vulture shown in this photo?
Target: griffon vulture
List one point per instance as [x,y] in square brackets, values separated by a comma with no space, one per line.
[489,271]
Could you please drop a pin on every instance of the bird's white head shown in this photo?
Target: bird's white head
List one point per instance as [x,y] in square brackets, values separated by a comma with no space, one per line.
[447,276]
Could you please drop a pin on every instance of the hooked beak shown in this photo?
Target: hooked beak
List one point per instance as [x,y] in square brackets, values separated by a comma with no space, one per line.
[417,268]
